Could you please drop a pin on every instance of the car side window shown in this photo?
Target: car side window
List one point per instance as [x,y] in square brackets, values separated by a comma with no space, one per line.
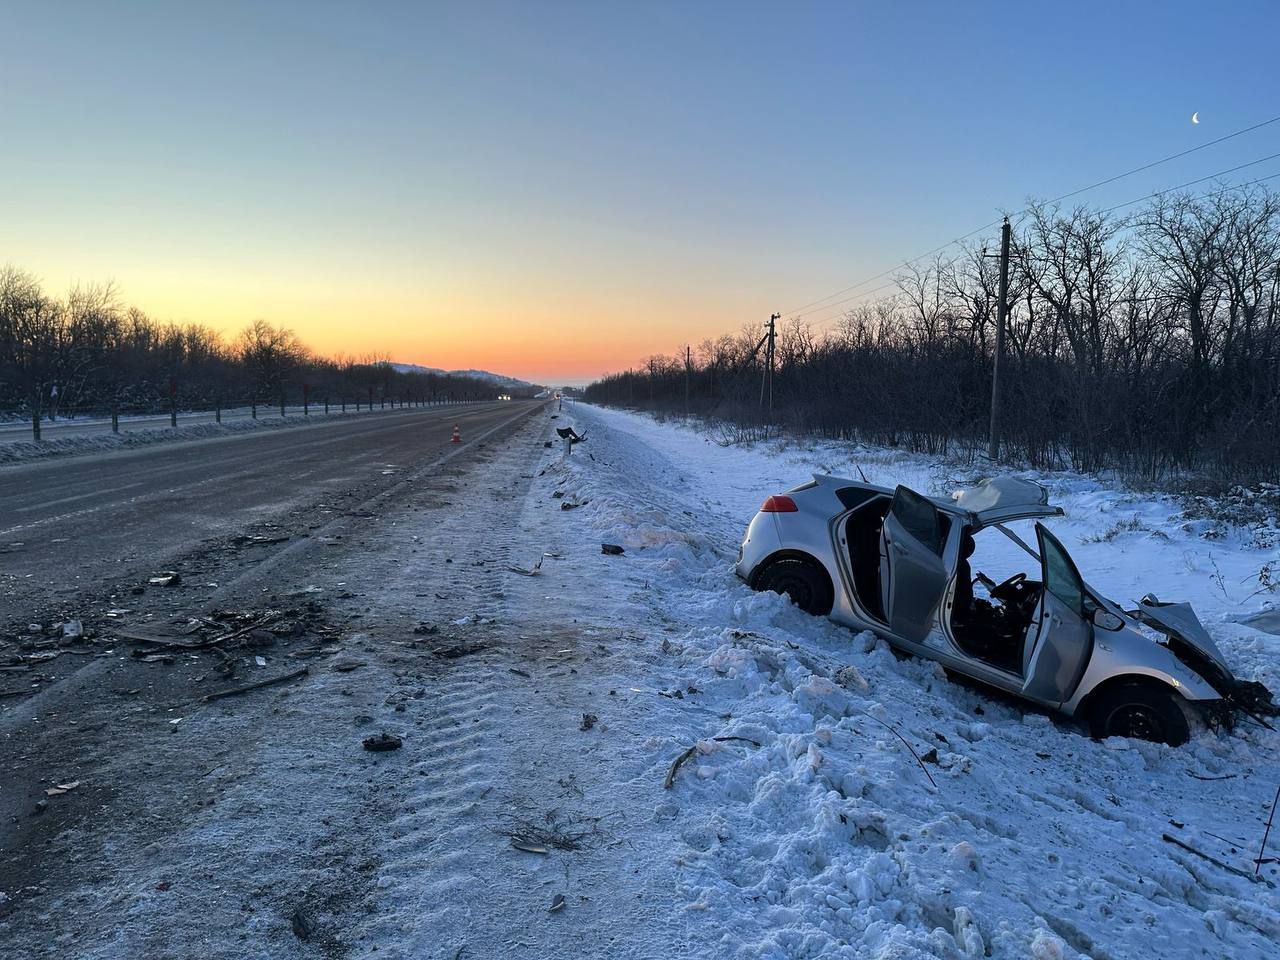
[1060,575]
[919,518]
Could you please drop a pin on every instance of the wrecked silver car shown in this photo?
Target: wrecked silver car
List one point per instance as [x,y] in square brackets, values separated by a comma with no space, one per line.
[899,563]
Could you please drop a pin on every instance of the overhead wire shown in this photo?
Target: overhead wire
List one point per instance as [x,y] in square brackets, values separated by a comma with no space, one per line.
[821,302]
[1127,203]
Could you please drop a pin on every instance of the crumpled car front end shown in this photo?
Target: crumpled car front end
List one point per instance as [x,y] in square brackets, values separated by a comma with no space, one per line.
[1188,640]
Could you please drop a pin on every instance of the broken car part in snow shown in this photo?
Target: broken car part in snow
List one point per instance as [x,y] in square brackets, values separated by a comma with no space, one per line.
[611,549]
[675,765]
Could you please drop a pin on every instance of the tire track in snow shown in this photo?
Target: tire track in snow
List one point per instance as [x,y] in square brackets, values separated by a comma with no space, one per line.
[493,752]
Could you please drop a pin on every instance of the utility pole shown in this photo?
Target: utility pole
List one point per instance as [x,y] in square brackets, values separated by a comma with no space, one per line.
[1002,319]
[766,378]
[688,361]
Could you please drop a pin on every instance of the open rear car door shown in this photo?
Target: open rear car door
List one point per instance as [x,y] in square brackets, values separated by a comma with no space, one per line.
[1060,640]
[912,575]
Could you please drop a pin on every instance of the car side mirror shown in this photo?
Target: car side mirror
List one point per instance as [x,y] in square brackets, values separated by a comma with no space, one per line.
[1105,619]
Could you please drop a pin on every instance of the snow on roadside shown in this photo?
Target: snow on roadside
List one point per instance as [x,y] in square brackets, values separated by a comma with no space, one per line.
[1014,835]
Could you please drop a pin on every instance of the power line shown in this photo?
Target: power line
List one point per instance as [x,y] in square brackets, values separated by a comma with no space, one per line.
[1127,203]
[1156,163]
[798,311]
[1192,183]
[886,286]
[885,273]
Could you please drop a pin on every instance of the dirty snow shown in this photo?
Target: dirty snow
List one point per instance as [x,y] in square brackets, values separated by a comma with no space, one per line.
[1017,836]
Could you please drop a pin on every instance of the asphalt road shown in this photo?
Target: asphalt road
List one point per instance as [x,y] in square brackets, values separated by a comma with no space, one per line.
[70,525]
[98,426]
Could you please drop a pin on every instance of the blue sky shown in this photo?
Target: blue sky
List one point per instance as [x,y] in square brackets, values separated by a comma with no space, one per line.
[560,189]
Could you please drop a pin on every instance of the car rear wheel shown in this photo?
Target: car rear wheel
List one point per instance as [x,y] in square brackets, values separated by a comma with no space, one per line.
[1140,711]
[803,581]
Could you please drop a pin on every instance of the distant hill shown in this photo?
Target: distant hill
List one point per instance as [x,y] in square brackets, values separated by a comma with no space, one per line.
[497,379]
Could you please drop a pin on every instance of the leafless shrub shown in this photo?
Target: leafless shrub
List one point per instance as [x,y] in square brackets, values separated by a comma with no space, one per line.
[1147,344]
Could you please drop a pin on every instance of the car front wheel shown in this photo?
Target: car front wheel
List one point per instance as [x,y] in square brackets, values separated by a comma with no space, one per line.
[803,581]
[1140,711]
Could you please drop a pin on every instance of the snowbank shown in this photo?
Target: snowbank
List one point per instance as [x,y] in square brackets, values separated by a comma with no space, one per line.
[888,812]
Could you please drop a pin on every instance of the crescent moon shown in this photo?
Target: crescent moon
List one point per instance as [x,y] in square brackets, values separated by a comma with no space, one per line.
[1195,117]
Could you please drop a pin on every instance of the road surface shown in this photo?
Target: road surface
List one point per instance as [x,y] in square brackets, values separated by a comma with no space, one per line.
[16,429]
[67,525]
[256,825]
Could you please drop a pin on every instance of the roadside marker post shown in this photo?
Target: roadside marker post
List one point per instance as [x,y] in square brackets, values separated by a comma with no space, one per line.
[306,409]
[326,406]
[173,402]
[115,418]
[217,412]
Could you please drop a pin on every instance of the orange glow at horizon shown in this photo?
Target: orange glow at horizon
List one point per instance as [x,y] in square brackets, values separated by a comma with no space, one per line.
[561,344]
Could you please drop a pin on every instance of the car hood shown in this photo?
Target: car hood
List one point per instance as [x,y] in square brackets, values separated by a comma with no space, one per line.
[1179,621]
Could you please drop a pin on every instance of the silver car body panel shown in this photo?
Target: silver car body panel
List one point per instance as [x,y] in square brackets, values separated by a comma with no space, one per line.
[1065,656]
[1181,621]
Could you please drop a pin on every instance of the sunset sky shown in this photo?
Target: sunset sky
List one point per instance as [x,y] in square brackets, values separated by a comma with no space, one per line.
[554,190]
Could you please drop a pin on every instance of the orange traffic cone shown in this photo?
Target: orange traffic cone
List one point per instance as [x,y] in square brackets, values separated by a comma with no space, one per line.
[457,436]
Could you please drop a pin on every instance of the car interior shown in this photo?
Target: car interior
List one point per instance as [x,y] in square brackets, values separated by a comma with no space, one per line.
[862,536]
[992,628]
[989,619]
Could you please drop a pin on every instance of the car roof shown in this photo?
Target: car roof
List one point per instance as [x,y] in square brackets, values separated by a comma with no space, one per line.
[986,502]
[997,498]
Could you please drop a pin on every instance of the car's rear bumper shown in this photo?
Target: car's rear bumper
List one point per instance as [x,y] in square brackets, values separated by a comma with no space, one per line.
[759,544]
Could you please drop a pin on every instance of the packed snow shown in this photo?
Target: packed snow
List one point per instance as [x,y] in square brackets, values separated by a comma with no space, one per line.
[843,802]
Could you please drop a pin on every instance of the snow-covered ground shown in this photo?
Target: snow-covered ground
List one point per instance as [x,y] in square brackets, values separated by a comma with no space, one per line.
[1019,837]
[838,801]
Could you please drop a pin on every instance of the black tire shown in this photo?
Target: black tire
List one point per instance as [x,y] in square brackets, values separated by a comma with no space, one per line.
[803,581]
[1141,711]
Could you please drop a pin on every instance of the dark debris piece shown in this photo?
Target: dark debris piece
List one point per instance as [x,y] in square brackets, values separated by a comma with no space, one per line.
[382,742]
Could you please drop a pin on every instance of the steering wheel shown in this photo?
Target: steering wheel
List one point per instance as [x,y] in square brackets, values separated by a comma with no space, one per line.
[1012,586]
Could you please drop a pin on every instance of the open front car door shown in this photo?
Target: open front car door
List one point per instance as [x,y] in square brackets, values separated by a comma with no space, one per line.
[912,574]
[1060,639]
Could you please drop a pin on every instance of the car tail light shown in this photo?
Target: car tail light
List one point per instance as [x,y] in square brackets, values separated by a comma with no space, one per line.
[779,504]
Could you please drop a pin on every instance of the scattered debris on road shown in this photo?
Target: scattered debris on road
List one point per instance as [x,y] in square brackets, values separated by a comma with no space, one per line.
[557,903]
[528,571]
[293,675]
[61,788]
[300,925]
[611,549]
[169,578]
[458,650]
[382,742]
[588,721]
